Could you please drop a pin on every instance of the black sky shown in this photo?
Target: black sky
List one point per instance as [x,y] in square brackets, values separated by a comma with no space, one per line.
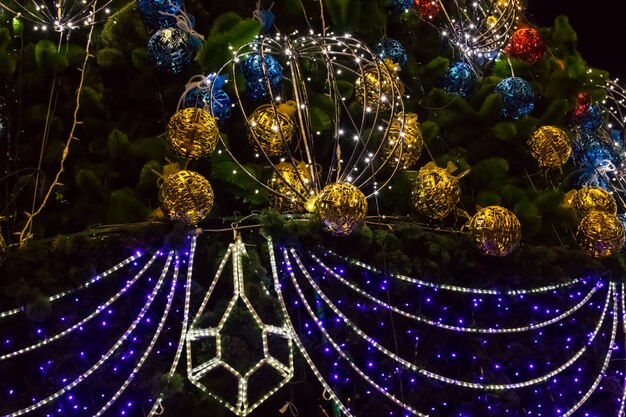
[600,25]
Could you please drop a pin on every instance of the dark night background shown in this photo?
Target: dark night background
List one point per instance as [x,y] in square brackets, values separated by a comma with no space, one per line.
[601,28]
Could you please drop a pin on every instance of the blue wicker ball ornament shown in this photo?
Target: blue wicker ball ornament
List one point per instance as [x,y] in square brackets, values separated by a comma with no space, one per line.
[150,11]
[518,97]
[592,119]
[460,79]
[261,72]
[171,50]
[388,48]
[400,5]
[591,150]
[216,103]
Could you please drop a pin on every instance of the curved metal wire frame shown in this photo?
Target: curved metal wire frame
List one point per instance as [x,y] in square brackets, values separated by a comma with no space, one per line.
[469,29]
[339,55]
[61,15]
[615,106]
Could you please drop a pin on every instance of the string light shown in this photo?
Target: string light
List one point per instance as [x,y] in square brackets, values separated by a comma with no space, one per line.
[84,321]
[456,288]
[356,155]
[195,373]
[183,334]
[433,375]
[105,357]
[422,319]
[60,15]
[86,285]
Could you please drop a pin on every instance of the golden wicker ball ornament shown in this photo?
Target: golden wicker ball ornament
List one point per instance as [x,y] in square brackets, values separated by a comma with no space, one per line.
[495,231]
[192,133]
[272,128]
[550,146]
[403,128]
[600,234]
[589,199]
[186,196]
[374,88]
[341,207]
[292,185]
[435,192]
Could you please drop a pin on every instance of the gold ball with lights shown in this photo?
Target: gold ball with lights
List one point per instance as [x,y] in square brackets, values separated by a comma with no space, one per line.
[600,234]
[589,199]
[192,133]
[405,129]
[292,183]
[272,128]
[435,192]
[341,208]
[495,231]
[375,87]
[186,196]
[550,146]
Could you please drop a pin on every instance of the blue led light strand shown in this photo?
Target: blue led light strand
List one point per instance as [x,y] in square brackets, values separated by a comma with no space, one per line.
[432,375]
[607,358]
[297,341]
[84,321]
[107,355]
[338,348]
[149,348]
[183,333]
[462,329]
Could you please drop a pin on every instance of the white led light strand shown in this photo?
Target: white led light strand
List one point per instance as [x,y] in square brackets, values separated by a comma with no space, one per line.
[146,353]
[623,310]
[432,375]
[607,358]
[81,287]
[459,289]
[462,329]
[338,349]
[183,333]
[297,341]
[84,321]
[236,251]
[107,355]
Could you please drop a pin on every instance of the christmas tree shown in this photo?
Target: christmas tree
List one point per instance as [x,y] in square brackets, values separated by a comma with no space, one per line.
[308,208]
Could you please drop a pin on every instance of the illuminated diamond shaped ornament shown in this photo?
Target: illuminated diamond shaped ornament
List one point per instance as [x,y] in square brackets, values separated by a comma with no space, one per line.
[219,361]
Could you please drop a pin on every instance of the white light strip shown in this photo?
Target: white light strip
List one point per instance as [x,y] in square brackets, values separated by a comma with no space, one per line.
[432,375]
[456,288]
[107,355]
[83,286]
[296,339]
[183,332]
[462,329]
[338,348]
[81,323]
[237,251]
[148,350]
[607,358]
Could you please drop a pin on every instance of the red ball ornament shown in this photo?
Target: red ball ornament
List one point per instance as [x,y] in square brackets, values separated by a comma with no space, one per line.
[582,105]
[428,9]
[526,44]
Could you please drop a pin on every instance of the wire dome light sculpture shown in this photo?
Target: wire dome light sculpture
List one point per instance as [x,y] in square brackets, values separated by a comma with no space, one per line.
[615,107]
[60,15]
[317,133]
[478,29]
